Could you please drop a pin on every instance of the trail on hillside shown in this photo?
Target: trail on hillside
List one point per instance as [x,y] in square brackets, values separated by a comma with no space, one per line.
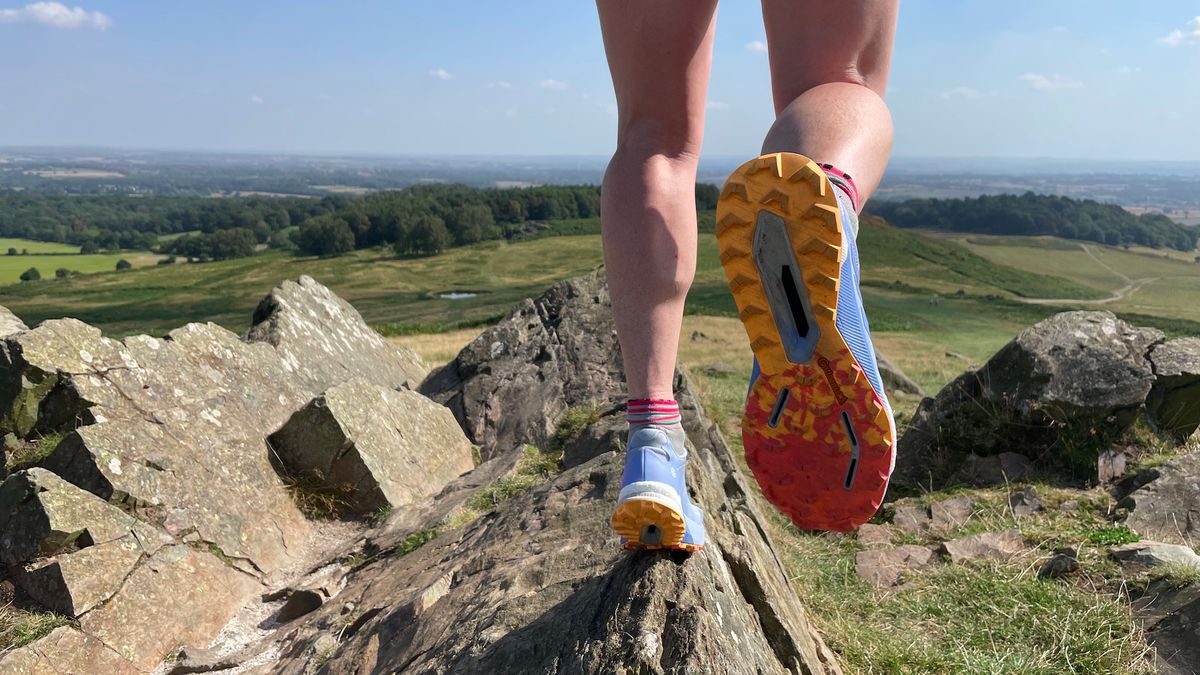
[1121,293]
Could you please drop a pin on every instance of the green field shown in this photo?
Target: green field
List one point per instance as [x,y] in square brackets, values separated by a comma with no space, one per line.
[12,267]
[36,246]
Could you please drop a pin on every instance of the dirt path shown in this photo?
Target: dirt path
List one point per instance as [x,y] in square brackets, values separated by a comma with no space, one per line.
[1131,285]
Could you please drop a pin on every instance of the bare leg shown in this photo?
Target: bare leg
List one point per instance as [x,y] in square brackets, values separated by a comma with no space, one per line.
[659,54]
[829,67]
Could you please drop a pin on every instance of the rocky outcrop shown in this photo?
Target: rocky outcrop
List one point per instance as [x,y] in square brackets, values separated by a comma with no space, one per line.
[1174,402]
[159,514]
[10,323]
[1170,616]
[540,584]
[324,341]
[1059,393]
[1166,506]
[380,447]
[894,379]
[510,385]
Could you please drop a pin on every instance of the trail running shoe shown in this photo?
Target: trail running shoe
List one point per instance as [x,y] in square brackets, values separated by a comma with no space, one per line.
[653,511]
[817,430]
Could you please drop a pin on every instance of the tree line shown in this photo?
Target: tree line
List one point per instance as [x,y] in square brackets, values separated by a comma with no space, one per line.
[419,220]
[1034,214]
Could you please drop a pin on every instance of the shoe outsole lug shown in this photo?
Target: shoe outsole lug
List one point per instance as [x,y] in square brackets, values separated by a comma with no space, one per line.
[801,463]
[632,516]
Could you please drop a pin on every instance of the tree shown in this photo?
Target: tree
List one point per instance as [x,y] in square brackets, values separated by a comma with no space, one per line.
[62,273]
[471,223]
[324,236]
[237,242]
[89,247]
[123,265]
[429,236]
[12,251]
[31,274]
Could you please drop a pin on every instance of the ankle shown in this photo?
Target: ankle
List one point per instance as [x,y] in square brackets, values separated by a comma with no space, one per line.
[843,181]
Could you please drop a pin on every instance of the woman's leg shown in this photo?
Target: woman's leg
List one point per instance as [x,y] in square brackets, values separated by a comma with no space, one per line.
[659,54]
[829,68]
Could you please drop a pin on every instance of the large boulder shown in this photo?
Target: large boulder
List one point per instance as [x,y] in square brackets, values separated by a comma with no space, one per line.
[1059,393]
[894,379]
[1174,402]
[10,323]
[324,340]
[379,446]
[510,385]
[1166,507]
[541,584]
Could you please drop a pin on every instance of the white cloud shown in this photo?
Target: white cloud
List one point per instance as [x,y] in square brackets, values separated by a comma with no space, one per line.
[1051,82]
[56,15]
[757,46]
[441,74]
[555,85]
[962,92]
[500,84]
[1189,35]
[717,105]
[257,100]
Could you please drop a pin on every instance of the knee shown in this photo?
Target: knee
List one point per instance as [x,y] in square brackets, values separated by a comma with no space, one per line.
[846,74]
[675,139]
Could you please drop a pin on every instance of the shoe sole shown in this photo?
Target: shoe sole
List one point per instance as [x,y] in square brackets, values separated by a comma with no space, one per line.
[816,435]
[649,524]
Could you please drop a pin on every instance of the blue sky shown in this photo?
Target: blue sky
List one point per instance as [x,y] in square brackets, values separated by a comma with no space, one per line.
[1058,78]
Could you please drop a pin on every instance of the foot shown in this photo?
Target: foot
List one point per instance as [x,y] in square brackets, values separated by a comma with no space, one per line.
[817,429]
[653,511]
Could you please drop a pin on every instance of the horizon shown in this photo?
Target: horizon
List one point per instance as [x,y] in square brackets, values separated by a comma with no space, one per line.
[1069,81]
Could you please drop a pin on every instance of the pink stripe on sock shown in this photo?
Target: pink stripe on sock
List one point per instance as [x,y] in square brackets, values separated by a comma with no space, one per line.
[652,411]
[842,180]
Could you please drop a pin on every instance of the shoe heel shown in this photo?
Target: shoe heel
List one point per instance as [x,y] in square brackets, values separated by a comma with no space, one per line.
[649,515]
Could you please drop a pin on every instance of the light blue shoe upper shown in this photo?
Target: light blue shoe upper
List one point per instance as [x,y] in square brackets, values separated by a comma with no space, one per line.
[851,319]
[652,459]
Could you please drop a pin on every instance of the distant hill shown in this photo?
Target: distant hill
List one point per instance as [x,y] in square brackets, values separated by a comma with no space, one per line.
[1034,214]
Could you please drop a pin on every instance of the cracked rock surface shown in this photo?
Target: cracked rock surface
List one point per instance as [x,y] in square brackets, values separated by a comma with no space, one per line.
[158,514]
[541,584]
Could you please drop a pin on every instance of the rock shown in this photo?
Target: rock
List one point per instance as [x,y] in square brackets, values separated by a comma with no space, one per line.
[10,323]
[894,379]
[68,651]
[884,568]
[1064,561]
[45,516]
[987,546]
[951,514]
[1170,615]
[384,447]
[1001,469]
[540,584]
[178,596]
[697,336]
[1151,553]
[718,370]
[1069,506]
[874,536]
[195,660]
[910,518]
[605,435]
[1173,405]
[1024,501]
[169,438]
[1062,390]
[171,428]
[1167,506]
[1110,465]
[510,385]
[324,340]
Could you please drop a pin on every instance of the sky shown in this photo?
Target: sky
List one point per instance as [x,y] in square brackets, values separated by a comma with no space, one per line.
[1086,79]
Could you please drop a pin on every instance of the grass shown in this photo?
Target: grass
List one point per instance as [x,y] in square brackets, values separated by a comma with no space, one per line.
[993,618]
[35,247]
[315,497]
[19,627]
[31,453]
